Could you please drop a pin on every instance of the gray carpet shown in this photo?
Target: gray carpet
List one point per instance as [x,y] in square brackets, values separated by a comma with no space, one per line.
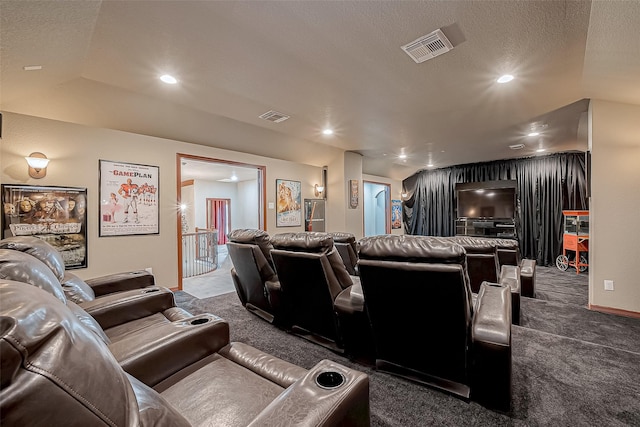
[571,366]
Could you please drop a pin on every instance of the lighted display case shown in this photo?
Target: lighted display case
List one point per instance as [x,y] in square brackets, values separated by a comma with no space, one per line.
[575,241]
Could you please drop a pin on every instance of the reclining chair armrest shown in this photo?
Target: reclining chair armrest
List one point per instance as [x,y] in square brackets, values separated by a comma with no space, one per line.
[491,342]
[121,282]
[528,277]
[116,309]
[157,352]
[307,403]
[511,278]
[275,370]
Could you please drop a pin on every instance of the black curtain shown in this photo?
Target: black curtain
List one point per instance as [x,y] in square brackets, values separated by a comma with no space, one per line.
[545,187]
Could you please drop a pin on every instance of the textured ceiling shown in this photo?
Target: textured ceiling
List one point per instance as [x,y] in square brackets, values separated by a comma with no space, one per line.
[326,63]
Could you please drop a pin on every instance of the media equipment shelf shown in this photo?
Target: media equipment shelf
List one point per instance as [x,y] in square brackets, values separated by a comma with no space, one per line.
[503,228]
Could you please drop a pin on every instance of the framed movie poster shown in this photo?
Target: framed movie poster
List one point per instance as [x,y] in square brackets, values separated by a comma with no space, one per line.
[396,214]
[353,193]
[129,197]
[56,215]
[288,205]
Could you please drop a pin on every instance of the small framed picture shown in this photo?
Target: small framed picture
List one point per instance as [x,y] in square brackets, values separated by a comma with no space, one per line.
[288,203]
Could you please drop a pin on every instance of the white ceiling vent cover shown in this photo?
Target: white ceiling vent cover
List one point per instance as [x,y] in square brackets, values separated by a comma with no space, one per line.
[274,116]
[427,47]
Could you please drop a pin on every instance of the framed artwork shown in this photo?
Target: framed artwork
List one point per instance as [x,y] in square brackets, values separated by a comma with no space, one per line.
[56,215]
[129,197]
[353,193]
[396,214]
[288,203]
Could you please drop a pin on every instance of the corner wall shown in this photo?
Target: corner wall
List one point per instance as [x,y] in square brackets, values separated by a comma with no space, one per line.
[614,246]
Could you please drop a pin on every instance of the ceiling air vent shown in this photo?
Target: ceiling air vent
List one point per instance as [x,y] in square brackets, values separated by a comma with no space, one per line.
[427,47]
[517,146]
[274,116]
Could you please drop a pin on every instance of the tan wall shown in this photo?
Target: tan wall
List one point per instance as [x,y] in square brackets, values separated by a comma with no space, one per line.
[615,205]
[74,151]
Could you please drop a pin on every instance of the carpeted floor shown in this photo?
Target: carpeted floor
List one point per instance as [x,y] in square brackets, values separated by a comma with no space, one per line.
[571,366]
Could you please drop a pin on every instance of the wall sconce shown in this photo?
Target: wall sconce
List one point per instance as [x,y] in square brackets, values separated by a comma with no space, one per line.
[318,190]
[37,165]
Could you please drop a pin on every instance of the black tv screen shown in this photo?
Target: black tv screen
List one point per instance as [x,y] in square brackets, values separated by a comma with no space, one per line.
[494,199]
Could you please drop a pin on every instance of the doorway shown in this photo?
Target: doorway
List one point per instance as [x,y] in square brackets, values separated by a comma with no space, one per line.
[201,181]
[377,202]
[219,218]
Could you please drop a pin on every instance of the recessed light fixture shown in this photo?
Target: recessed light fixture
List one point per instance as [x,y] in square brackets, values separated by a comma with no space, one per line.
[402,156]
[168,79]
[541,150]
[533,134]
[430,165]
[505,78]
[234,177]
[327,131]
[32,67]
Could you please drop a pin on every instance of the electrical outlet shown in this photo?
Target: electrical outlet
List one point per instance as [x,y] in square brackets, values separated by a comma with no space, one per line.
[608,285]
[271,205]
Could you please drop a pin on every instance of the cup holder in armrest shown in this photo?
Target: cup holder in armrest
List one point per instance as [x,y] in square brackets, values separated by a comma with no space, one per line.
[199,321]
[148,291]
[330,379]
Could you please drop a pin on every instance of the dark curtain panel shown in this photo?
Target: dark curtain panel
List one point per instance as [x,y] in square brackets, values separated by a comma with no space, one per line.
[545,187]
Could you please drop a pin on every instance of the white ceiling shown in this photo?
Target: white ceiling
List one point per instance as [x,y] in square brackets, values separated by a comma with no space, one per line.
[326,63]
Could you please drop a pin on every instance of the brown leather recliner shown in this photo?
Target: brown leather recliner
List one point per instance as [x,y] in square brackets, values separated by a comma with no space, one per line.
[55,371]
[347,247]
[76,289]
[320,300]
[147,333]
[425,324]
[482,266]
[509,254]
[253,275]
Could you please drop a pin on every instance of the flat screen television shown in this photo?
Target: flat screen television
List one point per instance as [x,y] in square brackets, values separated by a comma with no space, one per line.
[486,200]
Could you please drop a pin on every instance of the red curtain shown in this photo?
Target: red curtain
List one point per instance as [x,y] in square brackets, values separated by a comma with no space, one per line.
[219,219]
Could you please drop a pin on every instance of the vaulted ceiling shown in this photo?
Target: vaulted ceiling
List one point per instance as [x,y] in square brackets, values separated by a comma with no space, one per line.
[332,64]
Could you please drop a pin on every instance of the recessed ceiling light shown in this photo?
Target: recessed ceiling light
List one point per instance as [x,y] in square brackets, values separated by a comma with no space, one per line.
[234,178]
[168,79]
[327,131]
[541,150]
[533,134]
[430,165]
[505,78]
[32,67]
[402,156]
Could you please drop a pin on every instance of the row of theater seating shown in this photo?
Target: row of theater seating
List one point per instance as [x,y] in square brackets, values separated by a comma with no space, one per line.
[117,351]
[436,310]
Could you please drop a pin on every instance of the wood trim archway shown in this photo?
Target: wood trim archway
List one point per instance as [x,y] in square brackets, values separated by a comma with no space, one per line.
[262,186]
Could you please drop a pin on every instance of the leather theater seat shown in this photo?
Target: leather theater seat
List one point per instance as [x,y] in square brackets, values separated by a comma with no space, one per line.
[347,247]
[483,266]
[76,289]
[320,300]
[425,324]
[253,273]
[509,254]
[58,372]
[146,332]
